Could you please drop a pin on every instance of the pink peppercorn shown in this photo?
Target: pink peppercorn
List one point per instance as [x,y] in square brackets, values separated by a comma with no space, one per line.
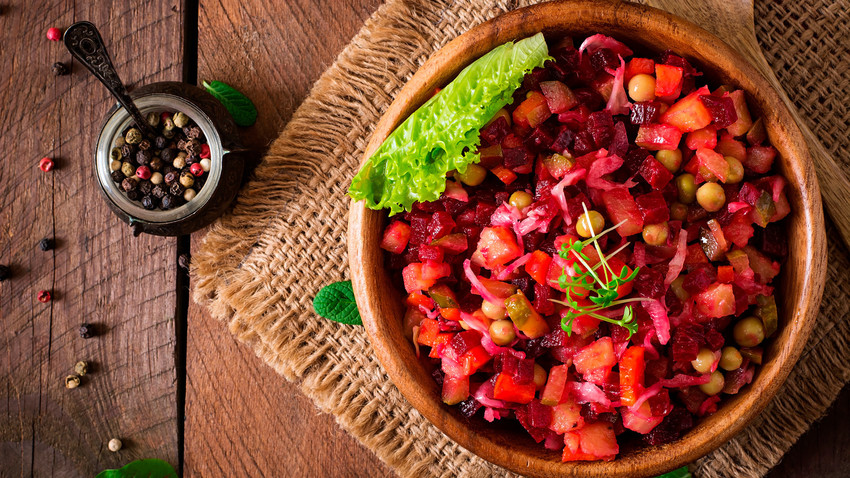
[43,296]
[196,169]
[205,151]
[54,34]
[143,172]
[164,116]
[46,164]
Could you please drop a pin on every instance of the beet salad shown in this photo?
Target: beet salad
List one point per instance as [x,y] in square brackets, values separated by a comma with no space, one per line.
[590,250]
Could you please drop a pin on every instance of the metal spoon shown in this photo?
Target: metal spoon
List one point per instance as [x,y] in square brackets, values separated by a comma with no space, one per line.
[85,44]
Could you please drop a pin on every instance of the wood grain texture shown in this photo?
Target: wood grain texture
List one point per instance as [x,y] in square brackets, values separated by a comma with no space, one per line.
[94,272]
[799,294]
[242,418]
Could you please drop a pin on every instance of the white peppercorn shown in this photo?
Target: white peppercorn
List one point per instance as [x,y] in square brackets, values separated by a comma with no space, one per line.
[114,445]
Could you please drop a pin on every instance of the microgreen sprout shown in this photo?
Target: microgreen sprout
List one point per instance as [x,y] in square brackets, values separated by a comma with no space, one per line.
[598,283]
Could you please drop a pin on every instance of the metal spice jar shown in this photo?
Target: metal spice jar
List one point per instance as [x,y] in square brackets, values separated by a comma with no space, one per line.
[209,128]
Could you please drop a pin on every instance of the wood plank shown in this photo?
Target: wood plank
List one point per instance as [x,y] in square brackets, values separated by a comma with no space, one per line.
[95,271]
[242,419]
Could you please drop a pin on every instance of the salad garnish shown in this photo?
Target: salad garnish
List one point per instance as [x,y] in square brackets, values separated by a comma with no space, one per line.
[443,134]
[602,286]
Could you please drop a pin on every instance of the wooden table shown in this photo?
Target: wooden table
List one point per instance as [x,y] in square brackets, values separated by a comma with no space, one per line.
[165,377]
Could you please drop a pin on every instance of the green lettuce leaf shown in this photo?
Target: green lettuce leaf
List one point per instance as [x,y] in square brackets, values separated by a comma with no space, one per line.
[443,134]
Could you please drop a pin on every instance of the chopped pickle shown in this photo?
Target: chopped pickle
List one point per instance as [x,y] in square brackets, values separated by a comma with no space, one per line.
[768,314]
[523,315]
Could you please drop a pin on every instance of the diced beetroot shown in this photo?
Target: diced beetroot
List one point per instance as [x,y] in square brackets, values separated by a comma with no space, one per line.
[524,372]
[722,109]
[532,111]
[702,138]
[655,137]
[636,66]
[604,58]
[542,299]
[541,138]
[729,146]
[559,97]
[396,236]
[714,339]
[649,282]
[603,83]
[598,355]
[600,125]
[493,133]
[430,253]
[441,224]
[621,206]
[464,341]
[668,81]
[699,278]
[760,158]
[744,122]
[455,390]
[539,415]
[655,173]
[653,207]
[645,112]
[688,114]
[619,145]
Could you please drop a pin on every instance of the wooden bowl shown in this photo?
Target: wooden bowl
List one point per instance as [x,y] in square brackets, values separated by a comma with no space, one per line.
[798,292]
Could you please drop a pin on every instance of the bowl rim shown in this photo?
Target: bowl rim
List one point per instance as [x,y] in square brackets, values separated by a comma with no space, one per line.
[607,15]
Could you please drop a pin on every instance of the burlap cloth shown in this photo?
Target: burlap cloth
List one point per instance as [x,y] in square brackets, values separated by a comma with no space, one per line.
[260,266]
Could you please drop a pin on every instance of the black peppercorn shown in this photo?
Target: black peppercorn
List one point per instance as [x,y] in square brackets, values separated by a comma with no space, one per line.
[183,261]
[134,195]
[156,164]
[5,272]
[193,147]
[192,159]
[176,189]
[192,132]
[45,244]
[129,184]
[128,150]
[168,201]
[145,187]
[171,177]
[168,155]
[145,145]
[160,142]
[117,176]
[59,69]
[169,168]
[87,331]
[148,202]
[159,191]
[143,157]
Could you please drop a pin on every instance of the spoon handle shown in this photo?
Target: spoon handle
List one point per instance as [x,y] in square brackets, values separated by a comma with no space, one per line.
[85,44]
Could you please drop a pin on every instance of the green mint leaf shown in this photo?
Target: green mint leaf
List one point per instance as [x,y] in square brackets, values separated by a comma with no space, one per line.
[238,105]
[680,473]
[336,302]
[150,468]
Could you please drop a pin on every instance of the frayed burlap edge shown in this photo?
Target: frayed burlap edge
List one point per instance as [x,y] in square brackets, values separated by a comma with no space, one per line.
[259,266]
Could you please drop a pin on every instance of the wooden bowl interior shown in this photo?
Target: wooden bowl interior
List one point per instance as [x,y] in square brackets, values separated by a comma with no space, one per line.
[798,291]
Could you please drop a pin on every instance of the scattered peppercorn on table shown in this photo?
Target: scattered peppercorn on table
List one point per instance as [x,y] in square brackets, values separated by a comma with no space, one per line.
[106,358]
